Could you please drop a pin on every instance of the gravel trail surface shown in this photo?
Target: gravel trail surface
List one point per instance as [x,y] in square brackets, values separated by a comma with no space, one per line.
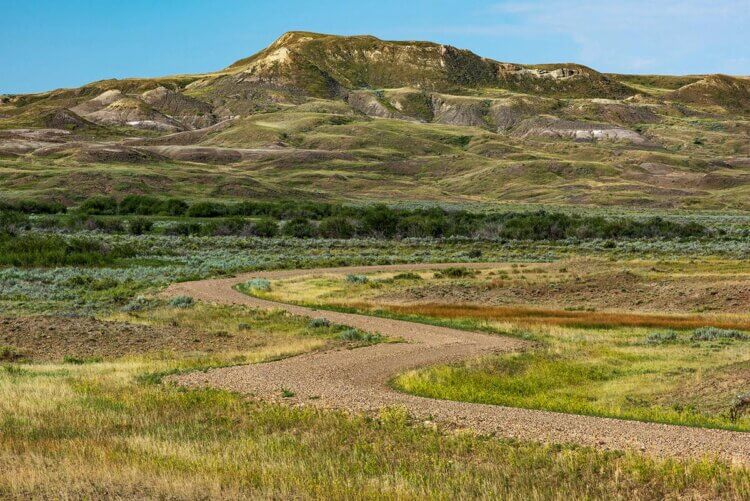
[357,379]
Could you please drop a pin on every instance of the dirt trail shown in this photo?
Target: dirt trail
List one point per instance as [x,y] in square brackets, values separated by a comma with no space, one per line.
[358,379]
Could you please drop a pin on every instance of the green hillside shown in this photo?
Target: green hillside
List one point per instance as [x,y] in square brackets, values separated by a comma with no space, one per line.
[358,118]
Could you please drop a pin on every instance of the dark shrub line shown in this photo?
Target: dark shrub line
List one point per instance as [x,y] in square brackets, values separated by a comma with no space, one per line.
[41,250]
[32,206]
[306,219]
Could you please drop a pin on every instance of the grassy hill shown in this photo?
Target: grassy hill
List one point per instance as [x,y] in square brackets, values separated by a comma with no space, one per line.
[358,118]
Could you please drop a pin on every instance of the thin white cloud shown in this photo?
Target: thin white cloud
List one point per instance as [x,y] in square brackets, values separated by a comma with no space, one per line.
[631,35]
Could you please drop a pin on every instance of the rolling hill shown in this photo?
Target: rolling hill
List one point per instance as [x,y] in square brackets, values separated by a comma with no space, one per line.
[358,118]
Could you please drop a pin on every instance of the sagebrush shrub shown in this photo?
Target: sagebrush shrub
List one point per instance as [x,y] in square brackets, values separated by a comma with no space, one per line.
[258,284]
[661,337]
[715,333]
[358,335]
[316,323]
[357,279]
[139,303]
[182,302]
[407,276]
[455,272]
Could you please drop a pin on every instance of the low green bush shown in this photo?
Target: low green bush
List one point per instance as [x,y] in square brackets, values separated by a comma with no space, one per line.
[139,226]
[174,207]
[265,227]
[184,229]
[358,335]
[715,333]
[662,337]
[258,284]
[225,227]
[207,209]
[12,222]
[140,204]
[407,276]
[32,206]
[317,323]
[455,272]
[300,227]
[74,360]
[145,205]
[139,303]
[99,205]
[43,250]
[336,227]
[104,225]
[357,279]
[181,302]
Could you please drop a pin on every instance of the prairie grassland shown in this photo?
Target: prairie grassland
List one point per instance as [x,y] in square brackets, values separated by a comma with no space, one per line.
[109,430]
[388,159]
[614,372]
[632,365]
[418,294]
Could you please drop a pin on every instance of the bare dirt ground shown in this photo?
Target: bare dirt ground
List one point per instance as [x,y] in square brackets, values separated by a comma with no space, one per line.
[357,380]
[51,339]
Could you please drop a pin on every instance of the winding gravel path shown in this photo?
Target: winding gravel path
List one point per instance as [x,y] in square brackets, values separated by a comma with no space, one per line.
[357,379]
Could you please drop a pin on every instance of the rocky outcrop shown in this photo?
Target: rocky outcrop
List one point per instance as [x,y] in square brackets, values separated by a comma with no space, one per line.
[65,119]
[367,102]
[460,110]
[114,108]
[567,129]
[492,114]
[322,65]
[157,109]
[135,113]
[188,111]
[98,103]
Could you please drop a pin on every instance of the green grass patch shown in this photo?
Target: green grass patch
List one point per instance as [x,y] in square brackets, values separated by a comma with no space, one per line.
[610,379]
[40,250]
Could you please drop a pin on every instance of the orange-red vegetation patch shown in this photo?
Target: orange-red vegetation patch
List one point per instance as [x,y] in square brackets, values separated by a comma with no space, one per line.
[537,316]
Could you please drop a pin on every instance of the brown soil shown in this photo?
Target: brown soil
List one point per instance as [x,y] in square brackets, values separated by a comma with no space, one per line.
[51,339]
[358,380]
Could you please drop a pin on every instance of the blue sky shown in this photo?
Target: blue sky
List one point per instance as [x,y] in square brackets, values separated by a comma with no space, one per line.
[47,44]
